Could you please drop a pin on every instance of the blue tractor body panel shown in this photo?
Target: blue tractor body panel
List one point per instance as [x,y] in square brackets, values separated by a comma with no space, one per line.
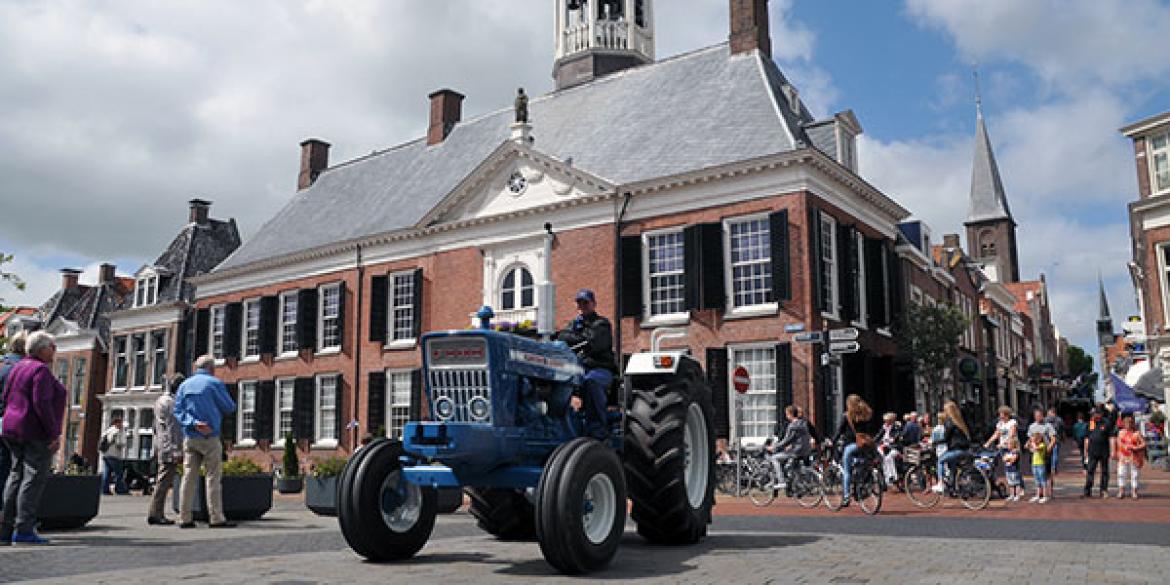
[498,407]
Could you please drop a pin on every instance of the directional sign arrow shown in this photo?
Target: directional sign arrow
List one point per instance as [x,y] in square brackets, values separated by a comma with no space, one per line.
[810,337]
[844,334]
[839,347]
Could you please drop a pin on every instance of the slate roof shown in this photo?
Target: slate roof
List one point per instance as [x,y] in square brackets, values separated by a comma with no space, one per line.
[195,250]
[694,111]
[88,306]
[988,201]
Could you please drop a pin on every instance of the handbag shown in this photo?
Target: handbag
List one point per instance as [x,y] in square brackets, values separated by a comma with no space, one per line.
[862,440]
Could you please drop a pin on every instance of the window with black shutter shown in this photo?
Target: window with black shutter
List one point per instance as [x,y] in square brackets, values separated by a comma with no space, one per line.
[418,302]
[816,278]
[265,404]
[894,292]
[269,322]
[227,427]
[631,271]
[846,263]
[416,396]
[233,321]
[339,420]
[379,303]
[375,402]
[713,287]
[303,411]
[875,283]
[717,380]
[341,313]
[783,379]
[692,259]
[307,318]
[781,256]
[202,332]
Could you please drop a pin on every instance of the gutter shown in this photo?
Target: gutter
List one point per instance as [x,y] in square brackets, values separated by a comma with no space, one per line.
[617,278]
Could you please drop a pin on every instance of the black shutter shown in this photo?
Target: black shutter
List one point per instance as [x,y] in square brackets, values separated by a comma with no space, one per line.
[338,408]
[418,302]
[227,428]
[875,284]
[717,381]
[307,318]
[265,402]
[846,258]
[714,287]
[303,408]
[814,259]
[202,332]
[631,270]
[183,344]
[692,267]
[783,379]
[781,260]
[269,321]
[895,285]
[341,315]
[379,305]
[376,402]
[416,396]
[233,316]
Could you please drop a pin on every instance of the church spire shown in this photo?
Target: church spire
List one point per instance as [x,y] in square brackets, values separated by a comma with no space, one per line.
[1103,303]
[1104,321]
[988,200]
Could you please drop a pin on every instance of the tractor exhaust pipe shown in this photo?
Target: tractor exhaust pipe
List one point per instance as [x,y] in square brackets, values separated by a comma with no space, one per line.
[546,291]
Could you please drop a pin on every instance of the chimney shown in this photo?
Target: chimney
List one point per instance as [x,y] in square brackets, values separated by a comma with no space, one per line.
[446,111]
[106,274]
[951,241]
[314,160]
[200,211]
[749,27]
[69,278]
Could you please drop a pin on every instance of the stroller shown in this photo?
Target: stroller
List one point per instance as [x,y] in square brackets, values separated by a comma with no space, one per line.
[991,462]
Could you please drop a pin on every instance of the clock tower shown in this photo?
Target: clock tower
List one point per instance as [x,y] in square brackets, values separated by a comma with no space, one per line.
[598,37]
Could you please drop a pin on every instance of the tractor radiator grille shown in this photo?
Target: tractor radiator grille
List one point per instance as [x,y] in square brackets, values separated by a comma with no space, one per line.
[461,395]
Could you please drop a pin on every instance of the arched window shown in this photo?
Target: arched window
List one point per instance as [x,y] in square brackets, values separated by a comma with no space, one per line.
[517,290]
[987,244]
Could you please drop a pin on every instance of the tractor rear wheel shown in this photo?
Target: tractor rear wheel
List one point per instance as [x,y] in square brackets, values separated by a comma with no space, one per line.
[581,507]
[503,513]
[669,452]
[382,517]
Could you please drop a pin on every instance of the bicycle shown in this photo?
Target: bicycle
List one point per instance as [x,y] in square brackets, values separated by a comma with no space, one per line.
[966,481]
[802,483]
[867,485]
[750,466]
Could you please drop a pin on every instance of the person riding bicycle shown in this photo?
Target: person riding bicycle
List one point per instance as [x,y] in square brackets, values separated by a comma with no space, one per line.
[591,336]
[957,439]
[795,444]
[889,440]
[854,431]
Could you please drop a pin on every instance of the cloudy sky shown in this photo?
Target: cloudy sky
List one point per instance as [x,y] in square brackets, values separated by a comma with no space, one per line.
[118,111]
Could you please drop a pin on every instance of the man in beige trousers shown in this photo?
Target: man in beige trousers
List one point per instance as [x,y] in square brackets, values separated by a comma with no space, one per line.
[200,405]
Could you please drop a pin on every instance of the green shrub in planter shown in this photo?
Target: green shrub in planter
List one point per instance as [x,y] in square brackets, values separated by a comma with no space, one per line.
[321,486]
[290,480]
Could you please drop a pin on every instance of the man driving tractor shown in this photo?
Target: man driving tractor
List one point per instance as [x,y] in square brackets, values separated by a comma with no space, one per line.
[591,336]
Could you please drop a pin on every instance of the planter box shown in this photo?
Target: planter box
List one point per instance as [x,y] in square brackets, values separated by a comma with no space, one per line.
[245,497]
[292,485]
[69,501]
[321,495]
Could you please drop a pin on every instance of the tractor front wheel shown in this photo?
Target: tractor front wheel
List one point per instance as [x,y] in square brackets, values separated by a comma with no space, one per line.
[581,507]
[383,517]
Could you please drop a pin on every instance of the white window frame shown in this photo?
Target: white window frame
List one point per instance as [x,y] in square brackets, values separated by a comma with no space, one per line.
[321,290]
[123,355]
[732,310]
[833,260]
[394,431]
[242,410]
[320,443]
[649,319]
[144,431]
[78,379]
[132,373]
[517,287]
[1163,278]
[862,285]
[733,399]
[277,410]
[281,338]
[154,357]
[1150,156]
[146,290]
[392,339]
[245,306]
[216,312]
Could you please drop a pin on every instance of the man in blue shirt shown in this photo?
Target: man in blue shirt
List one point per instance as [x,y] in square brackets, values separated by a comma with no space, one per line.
[199,407]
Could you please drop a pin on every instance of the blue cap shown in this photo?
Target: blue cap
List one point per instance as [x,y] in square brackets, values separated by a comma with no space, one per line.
[585,295]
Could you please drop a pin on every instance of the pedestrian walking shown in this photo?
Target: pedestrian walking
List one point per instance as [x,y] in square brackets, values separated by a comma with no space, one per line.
[201,402]
[34,407]
[1099,446]
[9,361]
[112,446]
[1058,436]
[168,436]
[1038,445]
[1131,456]
[1080,431]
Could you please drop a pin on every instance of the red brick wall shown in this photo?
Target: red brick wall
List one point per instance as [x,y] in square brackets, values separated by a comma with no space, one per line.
[1143,167]
[1153,294]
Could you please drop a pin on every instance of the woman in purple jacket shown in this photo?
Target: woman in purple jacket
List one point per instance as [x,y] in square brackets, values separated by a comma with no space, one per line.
[35,405]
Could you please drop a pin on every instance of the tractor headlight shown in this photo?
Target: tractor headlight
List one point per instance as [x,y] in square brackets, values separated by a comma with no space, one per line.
[479,408]
[444,408]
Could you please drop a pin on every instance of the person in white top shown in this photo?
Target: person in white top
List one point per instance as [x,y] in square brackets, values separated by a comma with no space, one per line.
[1005,428]
[112,447]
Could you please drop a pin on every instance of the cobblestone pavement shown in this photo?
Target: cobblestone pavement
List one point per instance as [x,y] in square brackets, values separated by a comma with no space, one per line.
[291,546]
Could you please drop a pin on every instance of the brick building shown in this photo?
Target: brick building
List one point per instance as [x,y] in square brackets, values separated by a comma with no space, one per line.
[703,195]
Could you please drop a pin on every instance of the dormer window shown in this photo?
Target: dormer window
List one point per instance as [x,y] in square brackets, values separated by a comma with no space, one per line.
[1160,163]
[146,290]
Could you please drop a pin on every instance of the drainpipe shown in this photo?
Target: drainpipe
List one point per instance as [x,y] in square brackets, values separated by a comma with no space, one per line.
[357,347]
[617,279]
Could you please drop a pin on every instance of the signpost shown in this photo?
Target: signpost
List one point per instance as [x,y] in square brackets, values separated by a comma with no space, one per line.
[844,334]
[808,338]
[741,380]
[840,347]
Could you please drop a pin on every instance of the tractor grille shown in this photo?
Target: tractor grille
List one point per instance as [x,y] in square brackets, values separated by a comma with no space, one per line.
[463,395]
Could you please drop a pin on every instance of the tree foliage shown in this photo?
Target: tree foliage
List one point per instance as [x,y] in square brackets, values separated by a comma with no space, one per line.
[929,336]
[8,277]
[1079,362]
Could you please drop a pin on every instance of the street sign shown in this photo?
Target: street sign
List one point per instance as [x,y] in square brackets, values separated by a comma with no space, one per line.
[810,337]
[839,347]
[794,328]
[845,334]
[741,380]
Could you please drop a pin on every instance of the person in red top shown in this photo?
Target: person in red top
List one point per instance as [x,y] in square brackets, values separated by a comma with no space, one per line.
[35,406]
[1130,456]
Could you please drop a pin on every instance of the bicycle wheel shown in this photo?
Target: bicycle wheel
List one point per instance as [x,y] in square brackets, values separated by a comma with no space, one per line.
[834,486]
[868,491]
[918,481]
[808,487]
[974,488]
[762,491]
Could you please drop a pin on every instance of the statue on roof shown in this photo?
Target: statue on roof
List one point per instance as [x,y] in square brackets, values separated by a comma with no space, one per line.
[521,107]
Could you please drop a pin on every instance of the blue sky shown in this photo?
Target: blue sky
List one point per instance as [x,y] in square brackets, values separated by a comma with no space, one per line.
[117,113]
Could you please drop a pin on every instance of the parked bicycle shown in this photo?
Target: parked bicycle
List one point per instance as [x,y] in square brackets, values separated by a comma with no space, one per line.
[802,482]
[752,465]
[966,481]
[867,483]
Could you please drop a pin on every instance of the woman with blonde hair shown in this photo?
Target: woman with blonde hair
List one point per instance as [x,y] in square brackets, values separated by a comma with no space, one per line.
[956,437]
[855,431]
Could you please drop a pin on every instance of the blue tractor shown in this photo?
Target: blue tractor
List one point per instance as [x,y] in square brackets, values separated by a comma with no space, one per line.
[501,427]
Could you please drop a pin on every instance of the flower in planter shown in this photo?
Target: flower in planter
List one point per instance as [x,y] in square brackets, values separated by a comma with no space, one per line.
[241,466]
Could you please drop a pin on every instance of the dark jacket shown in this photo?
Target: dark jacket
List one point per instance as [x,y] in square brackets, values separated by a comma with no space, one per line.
[955,438]
[845,432]
[591,336]
[911,434]
[797,437]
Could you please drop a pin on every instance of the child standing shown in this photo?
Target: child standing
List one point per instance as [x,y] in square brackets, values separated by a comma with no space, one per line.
[1039,449]
[1011,469]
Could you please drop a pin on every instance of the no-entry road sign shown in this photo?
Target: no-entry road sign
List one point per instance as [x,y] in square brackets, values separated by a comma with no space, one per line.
[741,380]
